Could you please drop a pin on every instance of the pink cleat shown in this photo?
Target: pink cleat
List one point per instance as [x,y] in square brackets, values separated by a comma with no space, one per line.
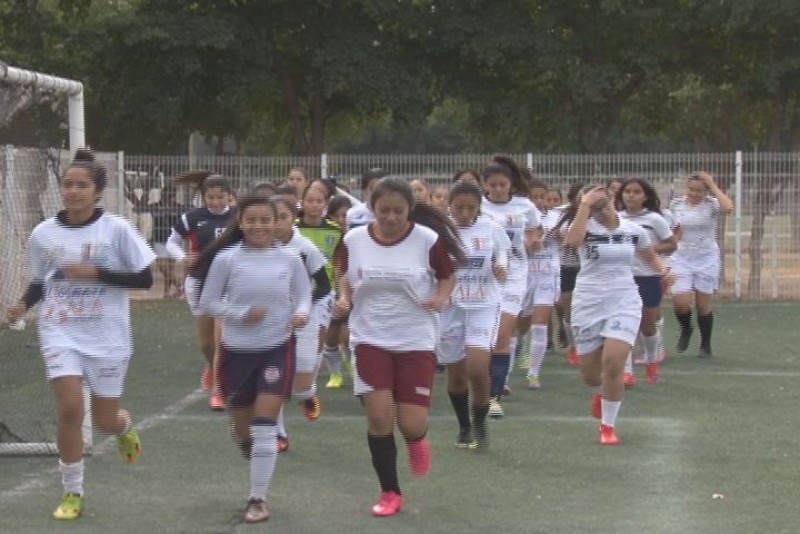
[389,503]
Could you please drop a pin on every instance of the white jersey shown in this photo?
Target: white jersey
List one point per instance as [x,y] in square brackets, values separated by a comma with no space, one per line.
[359,215]
[515,216]
[90,317]
[657,229]
[699,225]
[607,256]
[546,260]
[388,281]
[485,244]
[240,278]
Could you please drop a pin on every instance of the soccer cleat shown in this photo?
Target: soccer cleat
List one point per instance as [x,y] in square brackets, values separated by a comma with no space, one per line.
[651,373]
[629,380]
[419,457]
[573,360]
[389,503]
[683,340]
[128,443]
[283,444]
[215,403]
[464,438]
[207,379]
[70,507]
[334,381]
[481,442]
[705,352]
[607,435]
[311,408]
[596,406]
[495,409]
[256,511]
[533,382]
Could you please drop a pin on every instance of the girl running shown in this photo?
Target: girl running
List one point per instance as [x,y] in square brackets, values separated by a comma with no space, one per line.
[200,226]
[507,202]
[260,292]
[543,285]
[643,207]
[553,201]
[469,322]
[397,275]
[606,308]
[570,266]
[82,264]
[696,261]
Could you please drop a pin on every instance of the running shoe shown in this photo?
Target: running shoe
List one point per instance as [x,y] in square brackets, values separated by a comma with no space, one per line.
[596,406]
[283,444]
[128,443]
[389,503]
[419,457]
[334,381]
[629,380]
[533,382]
[683,340]
[705,352]
[573,360]
[215,403]
[651,373]
[495,409]
[256,511]
[311,408]
[464,438]
[70,507]
[207,379]
[607,435]
[481,442]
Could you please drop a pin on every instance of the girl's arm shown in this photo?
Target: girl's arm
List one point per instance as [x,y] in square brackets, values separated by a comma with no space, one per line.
[213,299]
[725,204]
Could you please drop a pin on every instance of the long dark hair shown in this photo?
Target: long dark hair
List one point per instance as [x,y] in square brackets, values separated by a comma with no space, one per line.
[574,199]
[233,234]
[472,172]
[423,214]
[507,167]
[652,202]
[216,180]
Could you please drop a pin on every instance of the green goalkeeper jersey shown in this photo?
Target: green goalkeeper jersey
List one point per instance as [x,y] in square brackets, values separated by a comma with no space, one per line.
[326,237]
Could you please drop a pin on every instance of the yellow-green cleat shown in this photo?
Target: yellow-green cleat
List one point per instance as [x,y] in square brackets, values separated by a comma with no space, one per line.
[128,443]
[335,381]
[70,507]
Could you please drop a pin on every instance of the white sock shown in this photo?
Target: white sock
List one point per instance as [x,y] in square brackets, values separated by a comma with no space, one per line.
[72,476]
[610,409]
[305,395]
[629,364]
[660,329]
[332,359]
[512,347]
[650,344]
[281,430]
[568,330]
[263,458]
[538,348]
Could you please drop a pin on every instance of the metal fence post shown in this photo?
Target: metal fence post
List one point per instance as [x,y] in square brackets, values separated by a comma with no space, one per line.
[737,282]
[121,183]
[323,165]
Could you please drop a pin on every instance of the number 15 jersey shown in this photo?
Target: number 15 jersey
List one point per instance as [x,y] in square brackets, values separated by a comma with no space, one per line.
[607,256]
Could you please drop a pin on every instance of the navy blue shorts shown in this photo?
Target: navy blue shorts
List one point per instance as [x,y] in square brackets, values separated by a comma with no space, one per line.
[245,374]
[650,290]
[569,275]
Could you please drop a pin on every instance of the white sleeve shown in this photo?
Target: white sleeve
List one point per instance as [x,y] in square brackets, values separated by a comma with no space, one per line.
[714,206]
[644,238]
[213,299]
[35,260]
[661,227]
[175,245]
[501,244]
[301,288]
[533,218]
[135,253]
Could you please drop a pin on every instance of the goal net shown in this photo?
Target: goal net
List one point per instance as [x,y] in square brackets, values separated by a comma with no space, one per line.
[41,123]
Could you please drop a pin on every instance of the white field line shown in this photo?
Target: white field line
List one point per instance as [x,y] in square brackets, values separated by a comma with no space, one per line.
[666,371]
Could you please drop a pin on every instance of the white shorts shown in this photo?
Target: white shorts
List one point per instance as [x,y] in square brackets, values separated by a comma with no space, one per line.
[543,290]
[699,274]
[466,327]
[309,353]
[615,316]
[105,375]
[511,295]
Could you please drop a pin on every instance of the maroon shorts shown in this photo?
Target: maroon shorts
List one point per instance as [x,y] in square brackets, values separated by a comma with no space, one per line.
[409,375]
[244,374]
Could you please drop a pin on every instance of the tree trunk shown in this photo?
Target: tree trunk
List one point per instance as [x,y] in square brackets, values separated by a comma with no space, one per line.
[613,109]
[318,121]
[290,99]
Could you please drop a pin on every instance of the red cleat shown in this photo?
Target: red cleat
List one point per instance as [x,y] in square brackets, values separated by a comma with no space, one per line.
[607,435]
[389,503]
[419,457]
[283,444]
[573,360]
[311,408]
[215,403]
[629,380]
[651,373]
[596,406]
[207,379]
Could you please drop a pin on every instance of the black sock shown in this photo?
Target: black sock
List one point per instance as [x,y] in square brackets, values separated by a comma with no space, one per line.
[460,403]
[498,371]
[479,414]
[706,324]
[384,459]
[684,319]
[246,447]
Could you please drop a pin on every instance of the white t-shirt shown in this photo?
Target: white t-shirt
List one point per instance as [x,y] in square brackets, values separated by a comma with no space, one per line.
[388,281]
[90,317]
[546,260]
[607,256]
[657,229]
[485,244]
[359,215]
[699,225]
[515,216]
[240,278]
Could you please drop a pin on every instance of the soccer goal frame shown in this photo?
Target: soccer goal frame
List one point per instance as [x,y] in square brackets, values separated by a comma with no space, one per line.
[73,90]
